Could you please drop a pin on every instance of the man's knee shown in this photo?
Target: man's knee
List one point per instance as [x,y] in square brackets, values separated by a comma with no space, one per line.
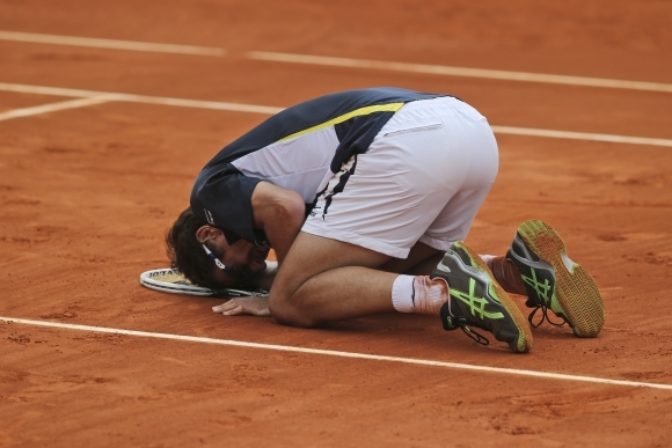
[285,302]
[295,295]
[290,312]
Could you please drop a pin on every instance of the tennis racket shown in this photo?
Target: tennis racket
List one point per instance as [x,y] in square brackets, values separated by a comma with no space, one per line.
[174,282]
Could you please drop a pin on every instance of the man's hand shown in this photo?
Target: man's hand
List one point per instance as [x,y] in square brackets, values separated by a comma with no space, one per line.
[254,306]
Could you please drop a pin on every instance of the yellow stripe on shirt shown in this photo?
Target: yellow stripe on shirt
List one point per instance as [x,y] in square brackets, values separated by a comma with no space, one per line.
[367,110]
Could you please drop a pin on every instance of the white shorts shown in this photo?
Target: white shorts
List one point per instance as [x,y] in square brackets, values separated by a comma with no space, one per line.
[424,178]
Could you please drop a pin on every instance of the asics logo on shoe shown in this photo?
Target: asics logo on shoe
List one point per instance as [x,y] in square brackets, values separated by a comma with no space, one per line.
[543,289]
[476,304]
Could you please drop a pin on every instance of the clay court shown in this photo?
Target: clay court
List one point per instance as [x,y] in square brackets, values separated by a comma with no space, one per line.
[108,111]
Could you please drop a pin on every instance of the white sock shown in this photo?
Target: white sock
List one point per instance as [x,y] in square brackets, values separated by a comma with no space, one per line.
[418,294]
[402,293]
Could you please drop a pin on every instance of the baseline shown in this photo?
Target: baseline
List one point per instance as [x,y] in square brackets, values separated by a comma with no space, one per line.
[268,110]
[112,44]
[461,72]
[341,354]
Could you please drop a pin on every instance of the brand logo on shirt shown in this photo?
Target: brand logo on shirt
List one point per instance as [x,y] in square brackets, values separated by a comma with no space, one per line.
[208,217]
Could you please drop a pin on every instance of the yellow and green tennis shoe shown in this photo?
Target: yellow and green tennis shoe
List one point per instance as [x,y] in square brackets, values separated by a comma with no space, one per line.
[477,300]
[554,281]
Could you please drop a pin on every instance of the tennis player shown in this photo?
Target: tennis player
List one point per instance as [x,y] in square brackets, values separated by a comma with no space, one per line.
[366,197]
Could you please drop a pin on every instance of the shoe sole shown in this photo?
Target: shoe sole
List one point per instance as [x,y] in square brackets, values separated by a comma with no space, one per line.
[524,342]
[576,297]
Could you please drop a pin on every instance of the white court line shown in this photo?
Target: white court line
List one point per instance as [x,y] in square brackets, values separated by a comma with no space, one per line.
[586,136]
[53,107]
[463,72]
[144,99]
[47,90]
[268,110]
[340,354]
[113,44]
[330,61]
[200,104]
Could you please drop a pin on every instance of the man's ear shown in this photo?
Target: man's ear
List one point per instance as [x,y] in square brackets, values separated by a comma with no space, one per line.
[206,233]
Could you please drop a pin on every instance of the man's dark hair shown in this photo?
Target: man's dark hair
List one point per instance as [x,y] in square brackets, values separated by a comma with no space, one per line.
[186,253]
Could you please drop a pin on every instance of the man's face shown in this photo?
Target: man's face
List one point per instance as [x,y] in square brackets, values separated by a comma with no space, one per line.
[244,261]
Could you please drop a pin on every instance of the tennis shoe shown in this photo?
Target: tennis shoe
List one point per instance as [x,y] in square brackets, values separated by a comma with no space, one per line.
[477,300]
[554,281]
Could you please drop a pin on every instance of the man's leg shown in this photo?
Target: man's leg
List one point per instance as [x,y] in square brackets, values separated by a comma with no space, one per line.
[323,280]
[506,273]
[333,280]
[422,259]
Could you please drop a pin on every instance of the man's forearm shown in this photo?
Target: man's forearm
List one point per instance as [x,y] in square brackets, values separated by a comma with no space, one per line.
[281,233]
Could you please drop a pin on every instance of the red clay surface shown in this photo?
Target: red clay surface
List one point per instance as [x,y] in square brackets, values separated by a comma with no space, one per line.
[88,193]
